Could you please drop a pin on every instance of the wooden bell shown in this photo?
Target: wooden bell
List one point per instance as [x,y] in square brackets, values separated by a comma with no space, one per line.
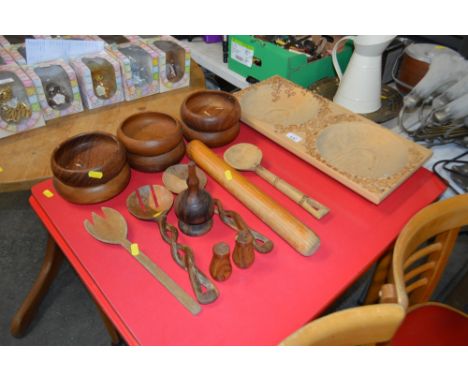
[194,207]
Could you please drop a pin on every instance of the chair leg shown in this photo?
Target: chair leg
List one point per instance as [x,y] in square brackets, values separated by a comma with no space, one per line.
[52,261]
[116,339]
[379,278]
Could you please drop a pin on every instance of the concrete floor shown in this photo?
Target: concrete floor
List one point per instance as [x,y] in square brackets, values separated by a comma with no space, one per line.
[68,316]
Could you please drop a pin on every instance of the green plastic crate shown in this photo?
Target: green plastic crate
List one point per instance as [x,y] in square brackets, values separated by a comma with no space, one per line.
[251,57]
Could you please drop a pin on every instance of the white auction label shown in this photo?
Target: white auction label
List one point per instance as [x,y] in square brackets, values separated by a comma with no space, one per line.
[294,137]
[241,52]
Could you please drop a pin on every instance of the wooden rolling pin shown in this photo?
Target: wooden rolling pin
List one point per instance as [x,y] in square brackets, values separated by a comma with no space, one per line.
[278,218]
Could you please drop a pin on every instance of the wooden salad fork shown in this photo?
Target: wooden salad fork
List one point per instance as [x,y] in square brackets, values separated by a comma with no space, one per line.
[112,229]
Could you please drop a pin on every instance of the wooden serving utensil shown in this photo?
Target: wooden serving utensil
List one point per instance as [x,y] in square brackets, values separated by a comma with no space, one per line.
[112,229]
[247,157]
[153,203]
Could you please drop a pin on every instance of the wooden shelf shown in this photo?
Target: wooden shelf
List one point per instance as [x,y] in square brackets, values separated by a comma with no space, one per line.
[25,157]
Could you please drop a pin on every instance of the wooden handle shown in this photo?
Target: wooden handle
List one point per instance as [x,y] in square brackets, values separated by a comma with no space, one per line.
[310,205]
[278,218]
[183,297]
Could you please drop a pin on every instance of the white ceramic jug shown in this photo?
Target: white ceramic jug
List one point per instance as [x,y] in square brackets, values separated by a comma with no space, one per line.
[361,85]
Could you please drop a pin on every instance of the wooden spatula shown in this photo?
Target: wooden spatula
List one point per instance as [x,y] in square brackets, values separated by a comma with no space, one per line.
[112,229]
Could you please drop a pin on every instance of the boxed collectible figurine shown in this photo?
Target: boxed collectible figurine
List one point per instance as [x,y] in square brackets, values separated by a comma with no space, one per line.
[5,58]
[99,79]
[174,60]
[56,87]
[139,65]
[19,106]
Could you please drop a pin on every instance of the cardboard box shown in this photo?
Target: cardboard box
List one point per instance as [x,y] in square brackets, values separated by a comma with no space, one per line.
[18,52]
[139,65]
[99,79]
[174,60]
[5,58]
[259,59]
[56,87]
[19,105]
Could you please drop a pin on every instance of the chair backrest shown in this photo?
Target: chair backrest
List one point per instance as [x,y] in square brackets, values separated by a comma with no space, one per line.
[364,325]
[423,248]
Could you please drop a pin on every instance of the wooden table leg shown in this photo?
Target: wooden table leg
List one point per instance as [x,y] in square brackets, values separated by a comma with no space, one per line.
[49,269]
[52,261]
[116,339]
[380,277]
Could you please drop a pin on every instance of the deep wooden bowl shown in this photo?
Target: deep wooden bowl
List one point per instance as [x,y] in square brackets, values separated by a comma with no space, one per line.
[74,158]
[94,194]
[214,139]
[158,162]
[210,110]
[150,133]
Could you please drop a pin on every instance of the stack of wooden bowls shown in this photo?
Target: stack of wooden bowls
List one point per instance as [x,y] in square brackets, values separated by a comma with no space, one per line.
[211,116]
[90,168]
[154,141]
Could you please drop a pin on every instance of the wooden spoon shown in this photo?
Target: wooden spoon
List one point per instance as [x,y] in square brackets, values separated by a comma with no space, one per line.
[247,157]
[112,229]
[152,202]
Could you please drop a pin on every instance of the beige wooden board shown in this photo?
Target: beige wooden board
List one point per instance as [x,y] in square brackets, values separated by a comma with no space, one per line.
[364,156]
[25,157]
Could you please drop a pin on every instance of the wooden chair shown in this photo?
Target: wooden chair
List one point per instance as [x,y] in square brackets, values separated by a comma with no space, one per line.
[423,248]
[432,324]
[364,325]
[404,317]
[419,258]
[421,252]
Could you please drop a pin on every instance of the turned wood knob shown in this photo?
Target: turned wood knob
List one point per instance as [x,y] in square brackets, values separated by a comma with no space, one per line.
[243,254]
[220,266]
[388,294]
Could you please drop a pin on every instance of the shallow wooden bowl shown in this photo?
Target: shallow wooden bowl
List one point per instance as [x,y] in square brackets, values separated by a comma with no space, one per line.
[73,159]
[94,194]
[150,133]
[214,139]
[210,111]
[158,162]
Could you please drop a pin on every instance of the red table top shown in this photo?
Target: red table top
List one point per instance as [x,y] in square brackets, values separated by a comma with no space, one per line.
[257,306]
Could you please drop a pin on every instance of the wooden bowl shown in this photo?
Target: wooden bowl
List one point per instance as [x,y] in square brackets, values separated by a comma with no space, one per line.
[214,139]
[150,133]
[94,194]
[158,162]
[74,158]
[210,111]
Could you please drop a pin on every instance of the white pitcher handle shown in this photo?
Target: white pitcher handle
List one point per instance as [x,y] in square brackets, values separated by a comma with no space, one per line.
[336,64]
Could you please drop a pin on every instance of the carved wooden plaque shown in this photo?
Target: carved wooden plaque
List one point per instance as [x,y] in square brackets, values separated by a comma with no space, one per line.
[364,156]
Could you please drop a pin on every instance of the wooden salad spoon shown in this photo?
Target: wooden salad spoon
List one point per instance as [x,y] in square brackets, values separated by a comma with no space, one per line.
[247,157]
